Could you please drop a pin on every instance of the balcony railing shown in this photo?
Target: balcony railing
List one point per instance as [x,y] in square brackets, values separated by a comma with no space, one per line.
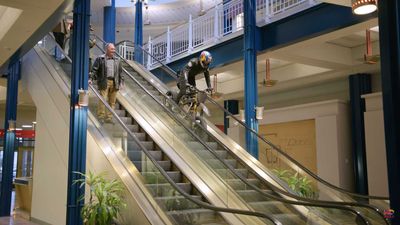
[219,24]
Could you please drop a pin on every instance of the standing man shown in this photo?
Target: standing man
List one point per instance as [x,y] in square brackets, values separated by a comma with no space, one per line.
[107,71]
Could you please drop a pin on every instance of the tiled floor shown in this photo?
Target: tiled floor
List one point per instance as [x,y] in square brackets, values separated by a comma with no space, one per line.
[14,221]
[18,218]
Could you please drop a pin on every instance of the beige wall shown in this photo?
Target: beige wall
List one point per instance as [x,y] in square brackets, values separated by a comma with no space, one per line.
[333,148]
[296,138]
[375,145]
[25,115]
[50,173]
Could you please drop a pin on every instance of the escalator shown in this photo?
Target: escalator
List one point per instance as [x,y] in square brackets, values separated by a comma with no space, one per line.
[166,188]
[256,173]
[255,191]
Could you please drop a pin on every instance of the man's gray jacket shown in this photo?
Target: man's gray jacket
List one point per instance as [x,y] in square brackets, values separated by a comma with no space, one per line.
[99,71]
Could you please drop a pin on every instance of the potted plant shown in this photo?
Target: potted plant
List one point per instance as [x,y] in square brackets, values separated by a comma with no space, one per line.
[105,199]
[300,184]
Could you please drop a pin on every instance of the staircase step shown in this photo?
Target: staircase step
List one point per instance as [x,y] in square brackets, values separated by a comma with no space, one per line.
[126,120]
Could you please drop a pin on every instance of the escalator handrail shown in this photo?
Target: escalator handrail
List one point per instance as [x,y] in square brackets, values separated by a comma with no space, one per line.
[313,203]
[162,171]
[172,73]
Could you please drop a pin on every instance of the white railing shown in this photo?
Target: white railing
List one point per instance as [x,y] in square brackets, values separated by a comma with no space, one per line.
[218,24]
[126,51]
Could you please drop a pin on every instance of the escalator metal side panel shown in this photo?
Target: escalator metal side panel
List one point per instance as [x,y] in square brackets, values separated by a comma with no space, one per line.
[101,156]
[199,174]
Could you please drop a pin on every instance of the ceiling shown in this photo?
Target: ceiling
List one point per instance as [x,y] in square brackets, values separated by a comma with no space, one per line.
[19,19]
[159,15]
[318,60]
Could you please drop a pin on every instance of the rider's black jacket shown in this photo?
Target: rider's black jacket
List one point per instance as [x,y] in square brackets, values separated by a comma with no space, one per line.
[194,67]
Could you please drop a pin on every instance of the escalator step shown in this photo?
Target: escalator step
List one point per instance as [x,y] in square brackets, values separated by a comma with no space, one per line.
[173,203]
[145,166]
[162,190]
[226,173]
[217,164]
[195,216]
[120,112]
[238,184]
[253,196]
[213,145]
[140,156]
[126,120]
[291,219]
[140,136]
[208,155]
[176,176]
[132,146]
[271,207]
[133,128]
[196,145]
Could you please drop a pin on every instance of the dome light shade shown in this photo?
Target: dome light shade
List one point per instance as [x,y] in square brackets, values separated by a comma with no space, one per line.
[362,7]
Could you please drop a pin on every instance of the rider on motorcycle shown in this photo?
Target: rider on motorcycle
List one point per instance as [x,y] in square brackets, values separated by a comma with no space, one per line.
[189,72]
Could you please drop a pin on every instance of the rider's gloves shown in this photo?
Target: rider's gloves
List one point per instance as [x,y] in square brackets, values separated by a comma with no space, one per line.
[209,90]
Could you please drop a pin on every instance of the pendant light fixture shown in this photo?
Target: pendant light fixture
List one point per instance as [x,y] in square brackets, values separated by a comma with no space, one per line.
[362,7]
[267,82]
[216,95]
[369,58]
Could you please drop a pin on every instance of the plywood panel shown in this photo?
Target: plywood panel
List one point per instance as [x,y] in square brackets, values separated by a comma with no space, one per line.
[295,138]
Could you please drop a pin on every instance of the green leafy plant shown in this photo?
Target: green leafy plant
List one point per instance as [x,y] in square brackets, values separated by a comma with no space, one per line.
[300,184]
[105,199]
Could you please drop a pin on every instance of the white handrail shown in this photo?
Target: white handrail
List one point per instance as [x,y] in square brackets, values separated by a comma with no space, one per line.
[218,24]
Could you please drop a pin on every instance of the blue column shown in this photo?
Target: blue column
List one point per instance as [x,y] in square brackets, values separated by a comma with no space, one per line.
[139,31]
[9,137]
[389,38]
[360,84]
[78,114]
[233,107]
[109,23]
[250,75]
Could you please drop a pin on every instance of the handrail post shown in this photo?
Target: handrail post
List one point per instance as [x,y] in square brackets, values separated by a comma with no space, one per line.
[149,45]
[124,50]
[168,59]
[190,48]
[216,24]
[267,11]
